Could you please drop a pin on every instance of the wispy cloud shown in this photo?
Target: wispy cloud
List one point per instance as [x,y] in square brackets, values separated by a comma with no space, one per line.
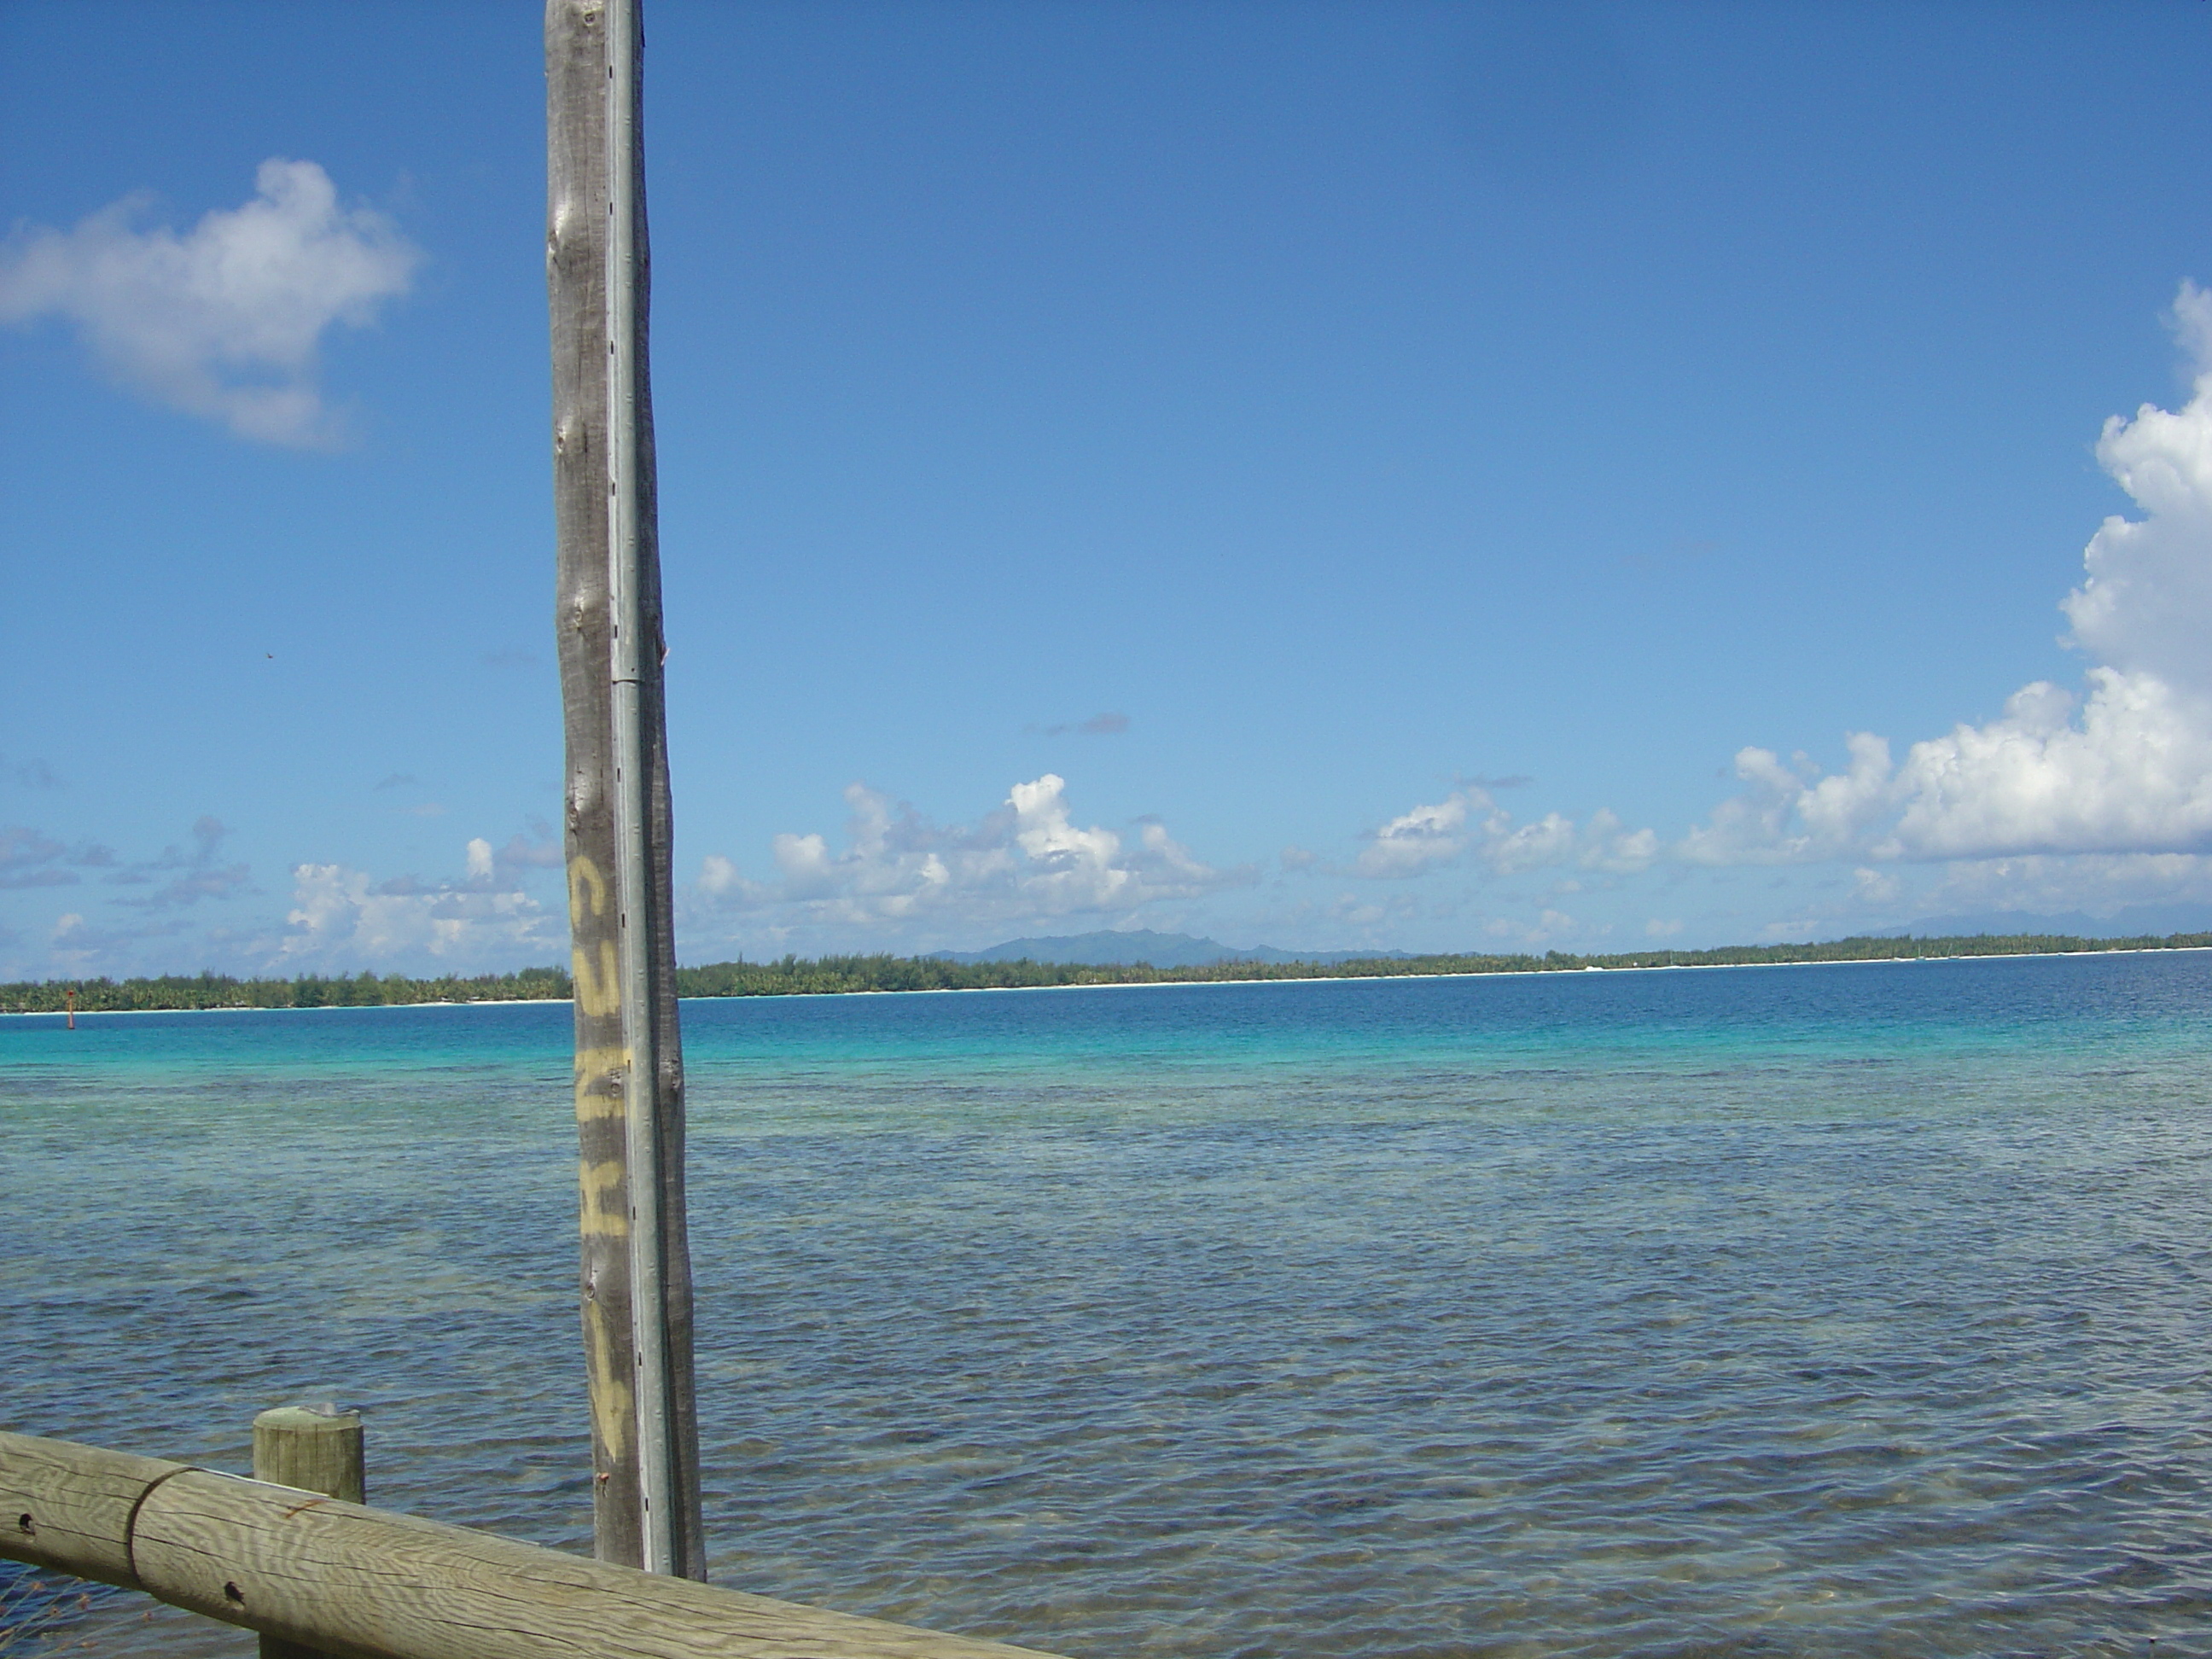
[1549,927]
[340,918]
[520,854]
[33,774]
[48,876]
[1469,822]
[2096,882]
[193,873]
[1107,725]
[344,918]
[225,320]
[28,859]
[489,865]
[77,945]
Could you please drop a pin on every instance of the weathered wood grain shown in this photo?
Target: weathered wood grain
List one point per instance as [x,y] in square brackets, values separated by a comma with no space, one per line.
[615,1055]
[68,1507]
[576,281]
[366,1583]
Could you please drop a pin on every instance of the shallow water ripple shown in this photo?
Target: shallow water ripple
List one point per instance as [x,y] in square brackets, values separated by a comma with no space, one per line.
[1826,1312]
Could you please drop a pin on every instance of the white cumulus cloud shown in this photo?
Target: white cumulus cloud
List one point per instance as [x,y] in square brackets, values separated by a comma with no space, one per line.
[2146,597]
[1028,860]
[225,320]
[2126,770]
[1423,838]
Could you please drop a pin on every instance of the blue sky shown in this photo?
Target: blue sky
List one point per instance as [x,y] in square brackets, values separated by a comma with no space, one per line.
[1430,476]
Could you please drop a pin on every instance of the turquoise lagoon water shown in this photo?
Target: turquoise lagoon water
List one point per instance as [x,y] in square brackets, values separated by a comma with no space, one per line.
[1853,1310]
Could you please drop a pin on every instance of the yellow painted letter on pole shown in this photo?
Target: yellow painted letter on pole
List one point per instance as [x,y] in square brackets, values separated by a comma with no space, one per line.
[599,994]
[599,1074]
[587,890]
[610,1390]
[604,1215]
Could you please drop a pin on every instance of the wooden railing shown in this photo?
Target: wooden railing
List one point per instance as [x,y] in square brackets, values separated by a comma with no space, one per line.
[368,1583]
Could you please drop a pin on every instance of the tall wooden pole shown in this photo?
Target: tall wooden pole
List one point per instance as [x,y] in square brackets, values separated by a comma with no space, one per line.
[629,1066]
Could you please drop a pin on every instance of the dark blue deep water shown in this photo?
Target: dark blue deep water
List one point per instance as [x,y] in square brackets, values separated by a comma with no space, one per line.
[1858,1309]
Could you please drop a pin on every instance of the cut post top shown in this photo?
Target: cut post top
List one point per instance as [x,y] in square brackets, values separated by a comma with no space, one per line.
[315,1448]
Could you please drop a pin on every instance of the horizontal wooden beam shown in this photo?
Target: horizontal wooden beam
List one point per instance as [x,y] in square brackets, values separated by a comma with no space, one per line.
[372,1584]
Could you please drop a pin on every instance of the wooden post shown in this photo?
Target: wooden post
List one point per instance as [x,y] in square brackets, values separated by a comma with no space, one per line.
[316,1449]
[636,1263]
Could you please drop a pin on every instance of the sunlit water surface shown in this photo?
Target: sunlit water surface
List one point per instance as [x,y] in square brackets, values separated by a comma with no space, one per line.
[1854,1309]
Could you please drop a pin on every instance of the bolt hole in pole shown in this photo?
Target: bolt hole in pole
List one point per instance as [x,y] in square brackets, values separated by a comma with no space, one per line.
[317,1449]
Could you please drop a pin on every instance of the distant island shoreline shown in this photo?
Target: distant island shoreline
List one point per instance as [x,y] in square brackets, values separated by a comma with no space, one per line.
[855,975]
